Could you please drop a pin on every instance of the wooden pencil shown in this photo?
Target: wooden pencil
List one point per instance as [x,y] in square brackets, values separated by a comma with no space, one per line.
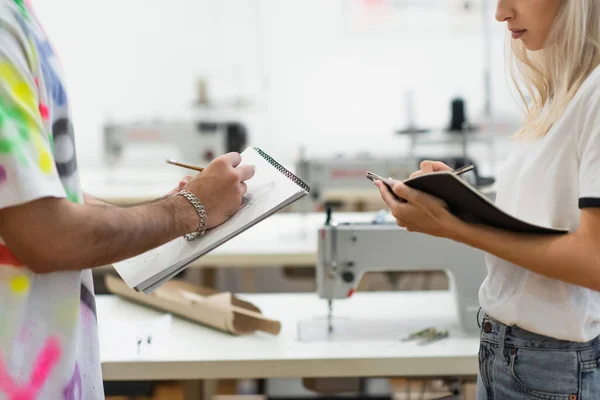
[184,165]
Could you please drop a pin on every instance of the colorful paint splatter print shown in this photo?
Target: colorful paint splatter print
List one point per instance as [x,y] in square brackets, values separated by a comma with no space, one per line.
[48,326]
[44,364]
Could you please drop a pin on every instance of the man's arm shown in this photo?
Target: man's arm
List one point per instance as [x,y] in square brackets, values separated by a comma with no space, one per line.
[53,234]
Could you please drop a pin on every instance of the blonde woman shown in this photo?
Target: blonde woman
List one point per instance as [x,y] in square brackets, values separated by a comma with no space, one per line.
[541,301]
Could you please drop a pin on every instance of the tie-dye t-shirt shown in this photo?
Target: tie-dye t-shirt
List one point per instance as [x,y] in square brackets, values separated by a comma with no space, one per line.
[48,329]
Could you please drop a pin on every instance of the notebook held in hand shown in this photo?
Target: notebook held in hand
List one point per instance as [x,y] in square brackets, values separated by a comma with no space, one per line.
[271,188]
[468,204]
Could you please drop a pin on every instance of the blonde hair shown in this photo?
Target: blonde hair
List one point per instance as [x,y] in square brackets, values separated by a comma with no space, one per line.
[551,76]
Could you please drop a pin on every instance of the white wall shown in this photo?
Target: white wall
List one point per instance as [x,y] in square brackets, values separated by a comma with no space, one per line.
[323,74]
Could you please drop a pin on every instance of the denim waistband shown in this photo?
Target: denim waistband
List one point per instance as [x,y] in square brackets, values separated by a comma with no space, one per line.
[495,331]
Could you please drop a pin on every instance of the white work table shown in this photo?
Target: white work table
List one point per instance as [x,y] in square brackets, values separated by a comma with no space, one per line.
[188,351]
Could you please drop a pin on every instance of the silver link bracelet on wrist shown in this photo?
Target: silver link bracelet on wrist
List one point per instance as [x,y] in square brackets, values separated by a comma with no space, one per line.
[201,213]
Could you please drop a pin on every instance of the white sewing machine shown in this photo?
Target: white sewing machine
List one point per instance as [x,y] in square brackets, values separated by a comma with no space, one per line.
[345,176]
[346,251]
[198,142]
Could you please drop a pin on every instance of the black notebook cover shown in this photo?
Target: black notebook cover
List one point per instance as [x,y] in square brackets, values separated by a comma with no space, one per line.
[468,204]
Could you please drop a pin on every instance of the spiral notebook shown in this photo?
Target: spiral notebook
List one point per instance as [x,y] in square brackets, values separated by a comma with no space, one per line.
[271,188]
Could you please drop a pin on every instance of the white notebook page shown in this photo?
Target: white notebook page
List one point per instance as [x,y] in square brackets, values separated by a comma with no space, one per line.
[267,191]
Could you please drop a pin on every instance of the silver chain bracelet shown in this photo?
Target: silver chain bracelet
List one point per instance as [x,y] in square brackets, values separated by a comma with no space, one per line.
[201,213]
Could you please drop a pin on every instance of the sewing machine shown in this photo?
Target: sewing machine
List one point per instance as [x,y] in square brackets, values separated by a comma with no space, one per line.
[197,141]
[344,176]
[346,251]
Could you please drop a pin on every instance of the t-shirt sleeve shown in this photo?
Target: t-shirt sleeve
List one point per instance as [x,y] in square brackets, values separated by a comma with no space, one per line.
[589,156]
[27,168]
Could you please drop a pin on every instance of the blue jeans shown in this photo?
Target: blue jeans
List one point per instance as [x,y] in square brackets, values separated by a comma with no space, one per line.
[517,364]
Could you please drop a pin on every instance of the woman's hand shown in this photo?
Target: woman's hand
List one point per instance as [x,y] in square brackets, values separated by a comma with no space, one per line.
[419,212]
[429,167]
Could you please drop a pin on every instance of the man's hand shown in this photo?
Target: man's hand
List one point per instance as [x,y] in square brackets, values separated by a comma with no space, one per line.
[220,187]
[428,167]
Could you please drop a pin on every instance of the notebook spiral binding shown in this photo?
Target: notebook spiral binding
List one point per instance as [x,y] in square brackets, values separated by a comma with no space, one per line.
[283,170]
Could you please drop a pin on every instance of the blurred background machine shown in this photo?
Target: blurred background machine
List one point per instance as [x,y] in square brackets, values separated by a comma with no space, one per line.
[196,142]
[339,182]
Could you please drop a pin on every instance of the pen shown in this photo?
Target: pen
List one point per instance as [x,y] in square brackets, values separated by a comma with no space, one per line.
[184,165]
[464,169]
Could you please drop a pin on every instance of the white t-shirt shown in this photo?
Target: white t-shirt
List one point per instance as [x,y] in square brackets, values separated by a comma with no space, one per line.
[547,182]
[48,327]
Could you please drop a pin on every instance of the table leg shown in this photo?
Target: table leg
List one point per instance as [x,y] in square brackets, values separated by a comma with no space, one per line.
[199,390]
[248,280]
[192,390]
[209,389]
[171,390]
[209,277]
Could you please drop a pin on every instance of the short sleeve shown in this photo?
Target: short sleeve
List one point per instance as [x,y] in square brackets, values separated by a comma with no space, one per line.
[589,154]
[27,167]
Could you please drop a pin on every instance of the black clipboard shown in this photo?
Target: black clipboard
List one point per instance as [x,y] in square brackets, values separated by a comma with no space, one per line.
[467,203]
